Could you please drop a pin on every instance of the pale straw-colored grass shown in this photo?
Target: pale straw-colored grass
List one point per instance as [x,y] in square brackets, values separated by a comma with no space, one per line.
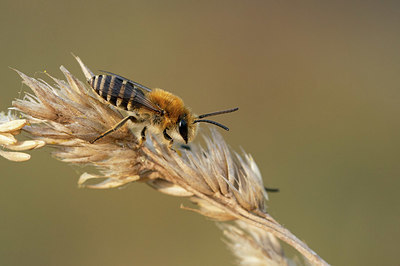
[10,126]
[224,185]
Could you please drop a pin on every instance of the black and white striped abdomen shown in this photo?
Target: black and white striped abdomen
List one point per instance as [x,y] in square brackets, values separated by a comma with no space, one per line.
[117,91]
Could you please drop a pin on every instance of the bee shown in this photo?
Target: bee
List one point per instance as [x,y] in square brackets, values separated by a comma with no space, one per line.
[157,109]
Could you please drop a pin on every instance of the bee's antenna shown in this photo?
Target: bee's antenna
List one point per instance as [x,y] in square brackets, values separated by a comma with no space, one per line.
[219,112]
[212,122]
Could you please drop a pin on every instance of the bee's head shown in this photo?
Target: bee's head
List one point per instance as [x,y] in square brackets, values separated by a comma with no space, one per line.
[187,126]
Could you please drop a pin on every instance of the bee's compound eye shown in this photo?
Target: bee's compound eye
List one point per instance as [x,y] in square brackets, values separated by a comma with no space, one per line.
[183,129]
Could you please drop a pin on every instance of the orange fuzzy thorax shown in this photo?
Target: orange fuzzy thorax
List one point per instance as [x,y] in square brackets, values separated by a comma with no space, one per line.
[171,104]
[174,109]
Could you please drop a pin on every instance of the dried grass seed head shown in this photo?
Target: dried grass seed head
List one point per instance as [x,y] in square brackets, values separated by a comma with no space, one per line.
[223,184]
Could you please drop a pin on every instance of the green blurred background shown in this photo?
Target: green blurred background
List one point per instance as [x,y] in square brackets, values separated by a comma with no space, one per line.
[318,86]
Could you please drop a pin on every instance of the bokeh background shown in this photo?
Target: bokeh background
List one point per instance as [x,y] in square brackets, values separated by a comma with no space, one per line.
[318,86]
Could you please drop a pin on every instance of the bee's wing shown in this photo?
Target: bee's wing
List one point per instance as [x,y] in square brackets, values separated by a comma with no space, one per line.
[131,81]
[121,92]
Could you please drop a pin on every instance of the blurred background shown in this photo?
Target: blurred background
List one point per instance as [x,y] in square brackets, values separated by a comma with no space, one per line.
[318,87]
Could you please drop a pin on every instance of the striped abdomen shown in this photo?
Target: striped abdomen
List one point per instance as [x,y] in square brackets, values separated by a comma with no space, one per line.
[117,91]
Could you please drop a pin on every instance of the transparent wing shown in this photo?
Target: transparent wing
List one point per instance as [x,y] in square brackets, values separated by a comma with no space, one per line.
[131,81]
[114,87]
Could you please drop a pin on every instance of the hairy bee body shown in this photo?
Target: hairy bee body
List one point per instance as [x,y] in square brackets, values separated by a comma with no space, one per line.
[157,109]
[118,92]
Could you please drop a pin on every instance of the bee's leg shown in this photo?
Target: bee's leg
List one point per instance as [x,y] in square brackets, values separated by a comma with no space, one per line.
[186,147]
[114,128]
[271,189]
[143,136]
[168,137]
